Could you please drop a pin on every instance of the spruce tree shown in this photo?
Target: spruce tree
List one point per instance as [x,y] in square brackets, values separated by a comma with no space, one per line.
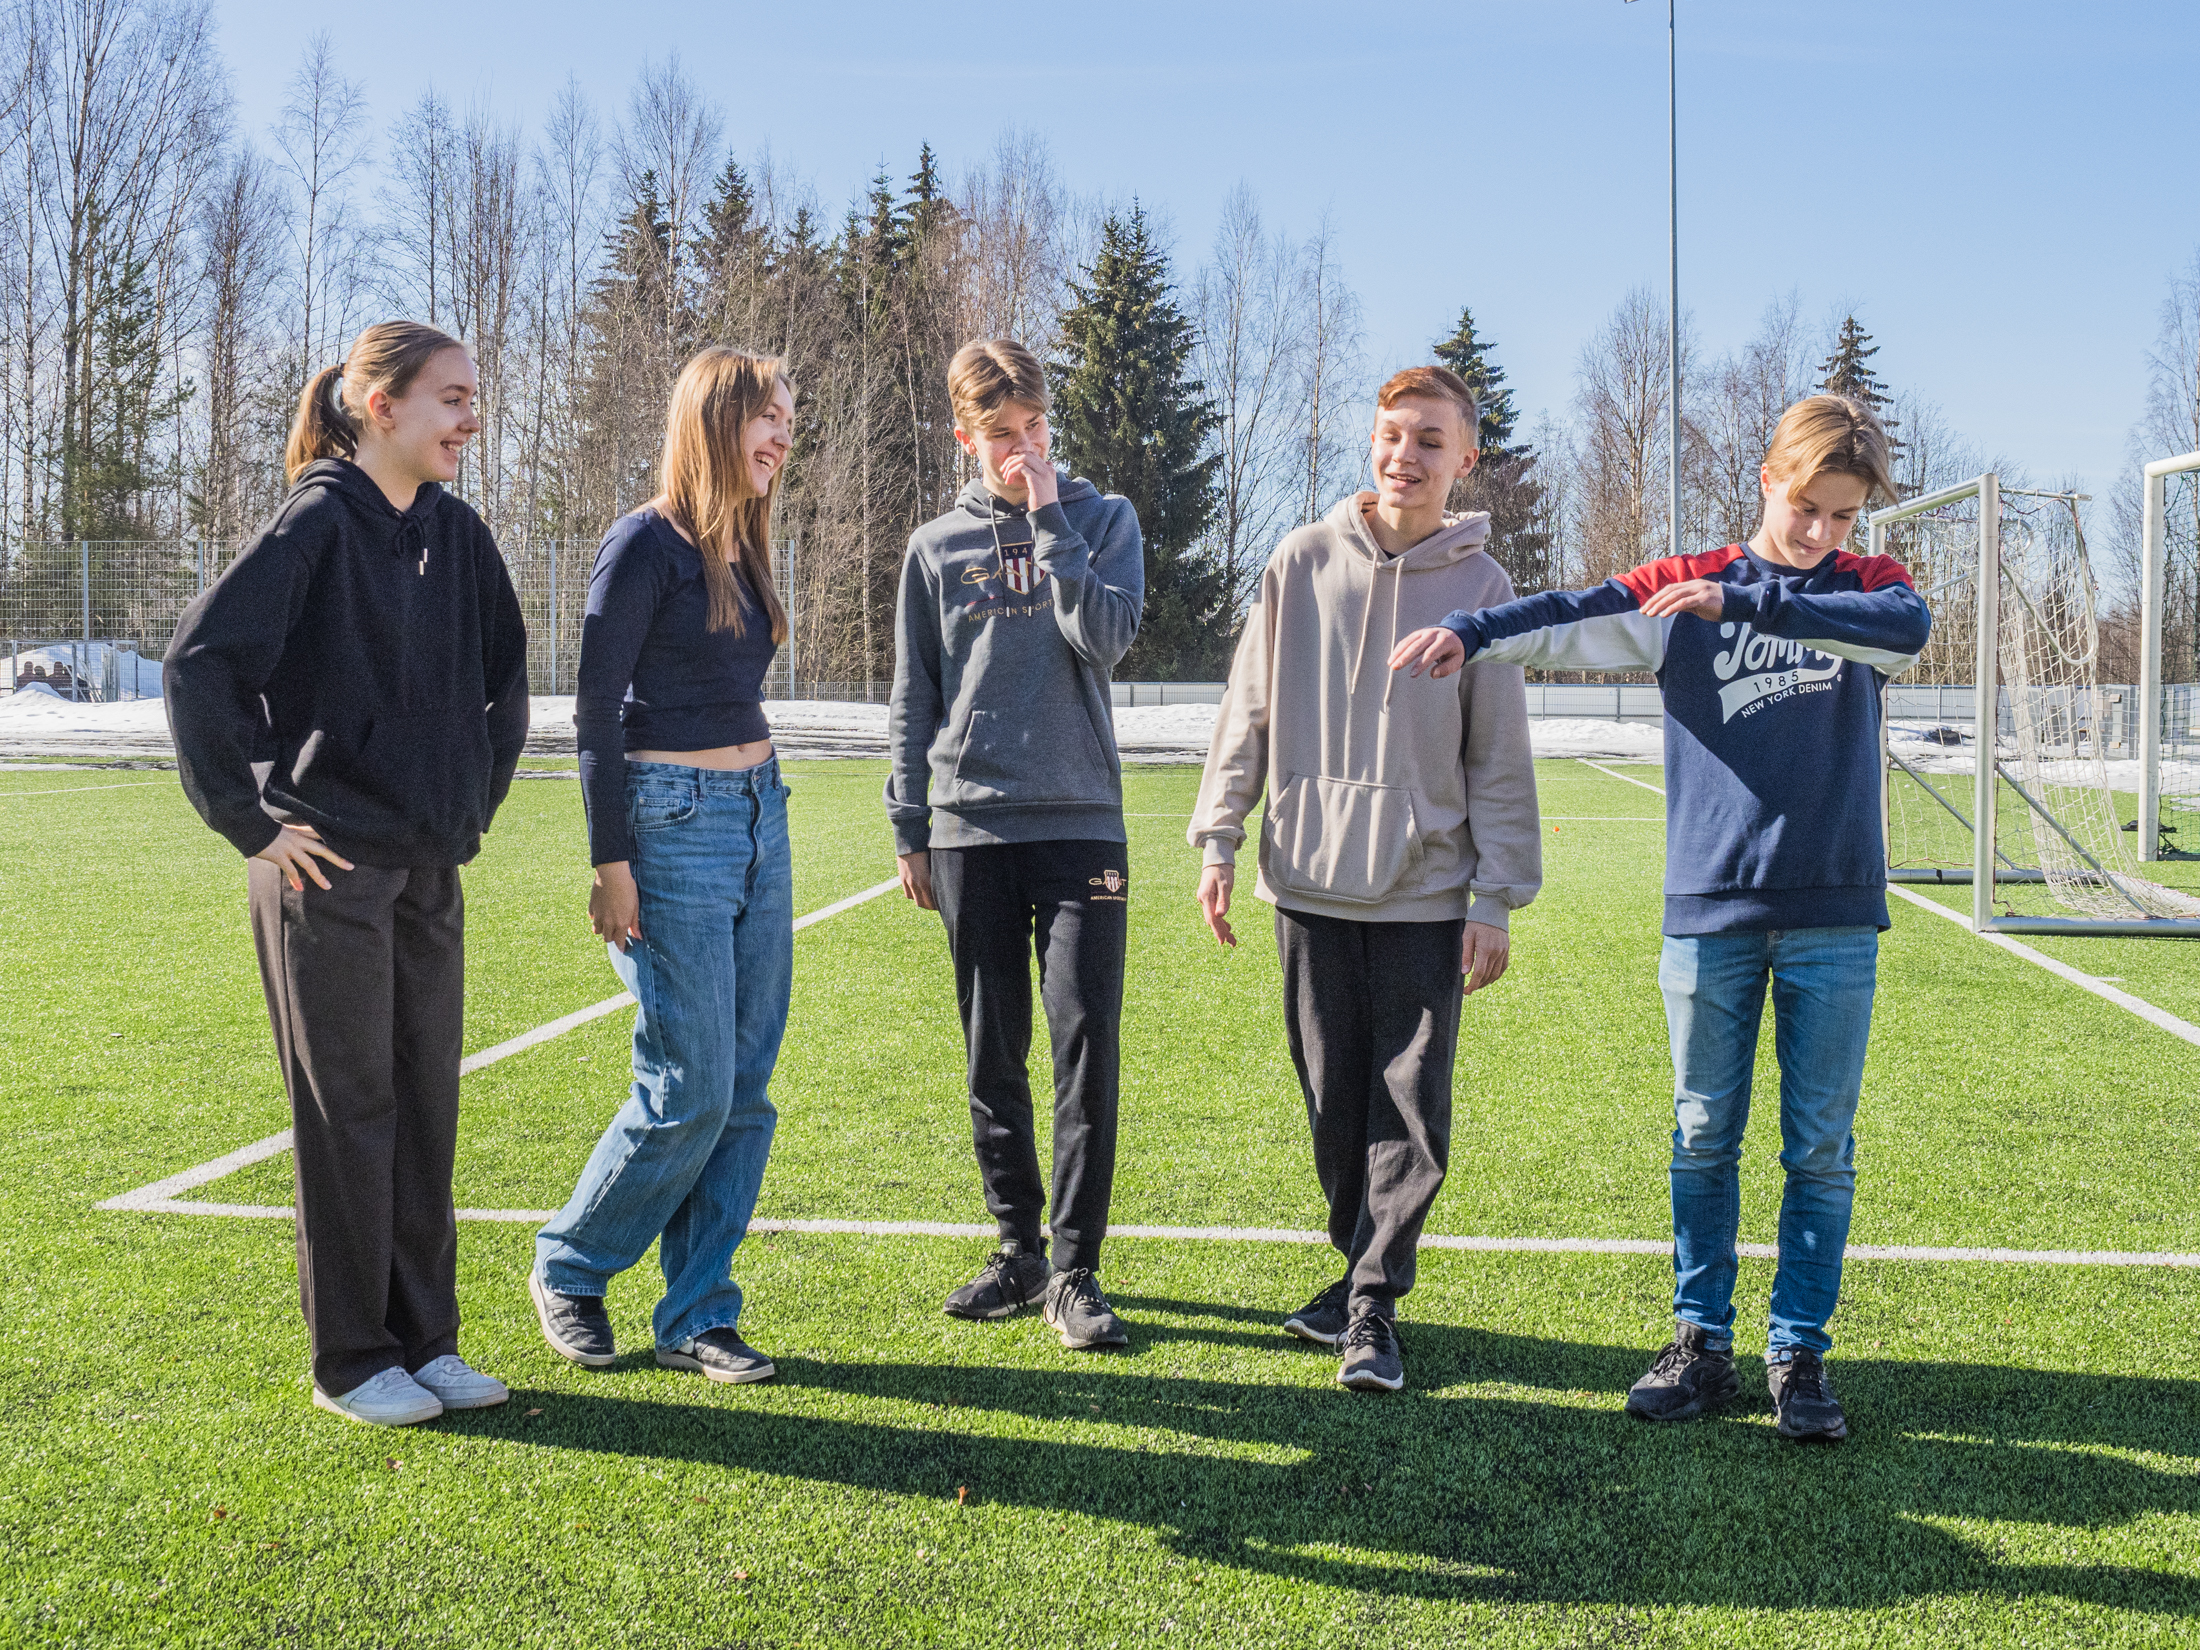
[1130,418]
[1469,357]
[1847,371]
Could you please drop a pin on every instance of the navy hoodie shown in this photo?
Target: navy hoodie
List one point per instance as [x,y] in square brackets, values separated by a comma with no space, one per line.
[1772,757]
[371,661]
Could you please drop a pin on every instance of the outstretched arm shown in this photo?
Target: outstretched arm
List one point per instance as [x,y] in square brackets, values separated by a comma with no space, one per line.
[1604,628]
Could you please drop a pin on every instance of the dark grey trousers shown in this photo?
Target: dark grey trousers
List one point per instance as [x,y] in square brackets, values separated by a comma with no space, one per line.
[1371,1010]
[1065,903]
[366,987]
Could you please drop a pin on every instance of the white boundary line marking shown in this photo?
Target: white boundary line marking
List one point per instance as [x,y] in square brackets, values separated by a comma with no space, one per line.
[2078,977]
[1622,778]
[160,1196]
[71,790]
[2146,1011]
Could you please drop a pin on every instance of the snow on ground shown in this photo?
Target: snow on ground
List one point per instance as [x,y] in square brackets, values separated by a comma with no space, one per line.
[37,723]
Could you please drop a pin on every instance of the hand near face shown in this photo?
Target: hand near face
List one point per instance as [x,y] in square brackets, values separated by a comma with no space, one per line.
[1034,472]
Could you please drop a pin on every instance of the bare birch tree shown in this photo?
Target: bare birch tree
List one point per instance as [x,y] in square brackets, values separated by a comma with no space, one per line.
[321,142]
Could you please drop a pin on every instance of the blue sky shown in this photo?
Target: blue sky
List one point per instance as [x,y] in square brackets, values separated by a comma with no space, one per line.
[2001,191]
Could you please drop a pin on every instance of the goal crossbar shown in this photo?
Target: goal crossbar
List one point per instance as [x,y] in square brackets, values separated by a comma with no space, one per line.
[1986,686]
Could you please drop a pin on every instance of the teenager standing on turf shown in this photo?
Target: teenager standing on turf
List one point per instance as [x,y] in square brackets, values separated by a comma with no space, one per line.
[1400,837]
[1006,798]
[365,651]
[694,894]
[1771,656]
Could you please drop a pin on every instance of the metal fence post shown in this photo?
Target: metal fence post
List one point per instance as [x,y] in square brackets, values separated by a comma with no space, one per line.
[555,616]
[84,560]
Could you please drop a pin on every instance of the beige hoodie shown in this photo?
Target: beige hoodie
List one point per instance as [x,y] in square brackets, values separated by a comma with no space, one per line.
[1392,798]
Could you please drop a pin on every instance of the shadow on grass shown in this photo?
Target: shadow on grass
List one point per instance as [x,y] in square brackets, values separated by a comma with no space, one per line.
[1463,1496]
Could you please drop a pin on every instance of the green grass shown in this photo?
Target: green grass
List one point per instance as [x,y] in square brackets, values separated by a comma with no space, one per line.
[2026,1459]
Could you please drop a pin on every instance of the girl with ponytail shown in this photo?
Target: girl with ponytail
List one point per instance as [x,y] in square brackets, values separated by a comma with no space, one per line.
[687,829]
[365,652]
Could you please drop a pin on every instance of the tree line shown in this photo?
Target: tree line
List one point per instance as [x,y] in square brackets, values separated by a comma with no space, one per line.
[168,280]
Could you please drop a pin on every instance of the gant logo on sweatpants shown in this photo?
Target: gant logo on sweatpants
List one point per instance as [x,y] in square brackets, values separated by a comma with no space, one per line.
[1792,669]
[1114,882]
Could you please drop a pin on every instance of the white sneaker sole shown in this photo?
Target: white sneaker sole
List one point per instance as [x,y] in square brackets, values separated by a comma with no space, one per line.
[480,1400]
[393,1418]
[1306,1333]
[587,1360]
[669,1359]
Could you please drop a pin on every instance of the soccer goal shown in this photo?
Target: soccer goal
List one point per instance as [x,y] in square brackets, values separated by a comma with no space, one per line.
[2010,765]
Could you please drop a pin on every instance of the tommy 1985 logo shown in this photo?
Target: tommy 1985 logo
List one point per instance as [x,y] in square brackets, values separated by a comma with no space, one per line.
[1779,668]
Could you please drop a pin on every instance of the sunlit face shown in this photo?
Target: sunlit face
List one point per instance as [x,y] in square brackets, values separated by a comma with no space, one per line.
[766,439]
[426,429]
[1014,430]
[1805,525]
[1419,448]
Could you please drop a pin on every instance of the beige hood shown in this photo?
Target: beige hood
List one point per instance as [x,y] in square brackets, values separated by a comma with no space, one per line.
[1391,798]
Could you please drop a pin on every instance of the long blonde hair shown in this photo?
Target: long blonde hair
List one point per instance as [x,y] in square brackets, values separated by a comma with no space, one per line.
[705,477]
[387,356]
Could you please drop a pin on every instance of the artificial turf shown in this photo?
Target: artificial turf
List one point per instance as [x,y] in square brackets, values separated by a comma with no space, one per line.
[2026,1460]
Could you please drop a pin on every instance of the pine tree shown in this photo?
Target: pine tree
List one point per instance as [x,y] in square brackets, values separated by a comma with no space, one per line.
[1129,418]
[1504,482]
[1847,371]
[1469,357]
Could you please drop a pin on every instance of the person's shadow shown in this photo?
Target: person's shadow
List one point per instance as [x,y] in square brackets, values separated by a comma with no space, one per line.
[1559,1498]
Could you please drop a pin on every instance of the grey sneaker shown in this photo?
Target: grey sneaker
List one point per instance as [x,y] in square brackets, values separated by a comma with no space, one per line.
[576,1326]
[1322,1319]
[1686,1379]
[1802,1397]
[459,1385]
[720,1354]
[1372,1359]
[389,1399]
[1080,1313]
[1010,1280]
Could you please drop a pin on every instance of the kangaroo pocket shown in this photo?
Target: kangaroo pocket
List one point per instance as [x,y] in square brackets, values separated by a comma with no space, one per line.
[1051,756]
[420,776]
[1341,839]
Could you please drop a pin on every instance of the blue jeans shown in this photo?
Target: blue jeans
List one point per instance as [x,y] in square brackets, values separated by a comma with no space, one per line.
[1714,984]
[712,971]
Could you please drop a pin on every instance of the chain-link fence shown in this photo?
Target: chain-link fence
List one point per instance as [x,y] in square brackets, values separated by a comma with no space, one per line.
[92,619]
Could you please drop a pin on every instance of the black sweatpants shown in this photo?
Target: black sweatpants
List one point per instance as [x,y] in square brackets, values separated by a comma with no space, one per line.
[366,987]
[1067,902]
[1371,1010]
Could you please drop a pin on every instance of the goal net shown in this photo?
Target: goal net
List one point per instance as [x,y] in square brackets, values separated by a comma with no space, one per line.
[2053,769]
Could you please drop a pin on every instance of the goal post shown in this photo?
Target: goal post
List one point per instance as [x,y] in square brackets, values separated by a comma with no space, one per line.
[2153,602]
[2016,633]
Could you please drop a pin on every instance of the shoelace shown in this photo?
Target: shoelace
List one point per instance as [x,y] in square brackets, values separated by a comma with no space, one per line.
[1675,1355]
[1077,1284]
[1335,1295]
[1369,1329]
[1806,1379]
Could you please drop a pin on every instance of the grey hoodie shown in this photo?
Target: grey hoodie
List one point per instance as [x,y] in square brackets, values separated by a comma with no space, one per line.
[1391,798]
[1000,721]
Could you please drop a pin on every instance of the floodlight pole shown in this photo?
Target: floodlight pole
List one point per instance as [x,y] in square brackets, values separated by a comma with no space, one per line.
[1672,283]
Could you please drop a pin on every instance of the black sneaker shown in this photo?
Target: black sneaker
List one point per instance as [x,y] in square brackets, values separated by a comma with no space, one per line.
[576,1326]
[720,1354]
[1802,1397]
[1077,1309]
[1322,1319]
[1686,1379]
[1372,1361]
[1010,1280]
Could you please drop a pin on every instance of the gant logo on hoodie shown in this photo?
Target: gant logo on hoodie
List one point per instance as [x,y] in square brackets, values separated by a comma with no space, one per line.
[1778,669]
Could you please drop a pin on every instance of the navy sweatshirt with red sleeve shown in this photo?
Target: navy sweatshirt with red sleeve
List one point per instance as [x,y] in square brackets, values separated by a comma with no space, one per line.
[1772,712]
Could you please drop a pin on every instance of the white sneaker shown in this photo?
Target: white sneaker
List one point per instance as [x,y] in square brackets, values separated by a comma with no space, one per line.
[391,1399]
[460,1385]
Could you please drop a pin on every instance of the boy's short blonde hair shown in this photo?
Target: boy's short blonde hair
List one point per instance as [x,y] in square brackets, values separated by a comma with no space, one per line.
[1434,384]
[1830,435]
[987,374]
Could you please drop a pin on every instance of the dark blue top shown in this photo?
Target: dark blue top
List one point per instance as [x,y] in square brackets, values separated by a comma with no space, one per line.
[654,675]
[1772,757]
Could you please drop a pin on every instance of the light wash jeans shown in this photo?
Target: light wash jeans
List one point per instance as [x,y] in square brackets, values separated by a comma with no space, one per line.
[685,1156]
[1714,985]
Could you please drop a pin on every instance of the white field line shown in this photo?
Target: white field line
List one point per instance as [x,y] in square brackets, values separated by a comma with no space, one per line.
[1622,778]
[71,790]
[160,1196]
[2078,977]
[2146,1011]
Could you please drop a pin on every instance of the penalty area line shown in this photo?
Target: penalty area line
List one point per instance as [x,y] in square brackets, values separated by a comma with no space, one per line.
[1265,1234]
[160,1197]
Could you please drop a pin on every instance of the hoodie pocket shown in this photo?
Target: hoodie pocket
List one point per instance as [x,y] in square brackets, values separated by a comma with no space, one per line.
[1341,839]
[429,771]
[1029,761]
